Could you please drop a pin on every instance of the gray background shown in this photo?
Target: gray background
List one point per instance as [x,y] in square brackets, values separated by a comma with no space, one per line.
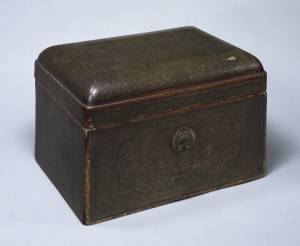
[262,212]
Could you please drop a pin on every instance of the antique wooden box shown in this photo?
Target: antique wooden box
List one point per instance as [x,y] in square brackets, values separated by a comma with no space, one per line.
[129,123]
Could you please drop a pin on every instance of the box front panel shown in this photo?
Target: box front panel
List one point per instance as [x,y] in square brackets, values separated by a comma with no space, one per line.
[147,163]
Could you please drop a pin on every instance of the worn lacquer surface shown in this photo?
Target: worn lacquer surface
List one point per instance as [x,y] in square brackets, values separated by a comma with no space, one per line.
[108,111]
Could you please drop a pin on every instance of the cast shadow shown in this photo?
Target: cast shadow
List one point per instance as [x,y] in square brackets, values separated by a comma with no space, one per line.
[27,137]
[279,149]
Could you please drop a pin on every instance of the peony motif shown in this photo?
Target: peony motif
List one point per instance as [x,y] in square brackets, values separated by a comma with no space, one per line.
[148,162]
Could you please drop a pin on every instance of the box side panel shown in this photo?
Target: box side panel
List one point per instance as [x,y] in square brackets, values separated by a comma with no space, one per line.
[172,100]
[46,80]
[135,167]
[59,149]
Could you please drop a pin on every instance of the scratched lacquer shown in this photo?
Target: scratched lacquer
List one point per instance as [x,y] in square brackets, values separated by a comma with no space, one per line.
[129,123]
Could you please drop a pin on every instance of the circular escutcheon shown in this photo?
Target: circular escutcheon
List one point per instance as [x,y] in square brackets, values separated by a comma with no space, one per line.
[183,141]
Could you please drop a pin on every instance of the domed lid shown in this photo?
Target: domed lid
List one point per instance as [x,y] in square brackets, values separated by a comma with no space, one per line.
[106,70]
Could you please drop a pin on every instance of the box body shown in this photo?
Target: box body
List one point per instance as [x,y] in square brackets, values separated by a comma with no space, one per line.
[121,132]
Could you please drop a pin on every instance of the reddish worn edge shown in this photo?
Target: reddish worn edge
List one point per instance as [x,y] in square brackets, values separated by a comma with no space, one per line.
[173,199]
[153,95]
[87,178]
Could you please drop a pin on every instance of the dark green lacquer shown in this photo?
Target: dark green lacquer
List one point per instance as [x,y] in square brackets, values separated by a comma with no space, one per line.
[129,123]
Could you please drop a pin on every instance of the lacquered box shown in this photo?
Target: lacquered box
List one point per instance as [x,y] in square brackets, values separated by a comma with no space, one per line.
[129,123]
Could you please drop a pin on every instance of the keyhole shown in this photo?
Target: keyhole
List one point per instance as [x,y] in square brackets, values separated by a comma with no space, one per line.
[187,146]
